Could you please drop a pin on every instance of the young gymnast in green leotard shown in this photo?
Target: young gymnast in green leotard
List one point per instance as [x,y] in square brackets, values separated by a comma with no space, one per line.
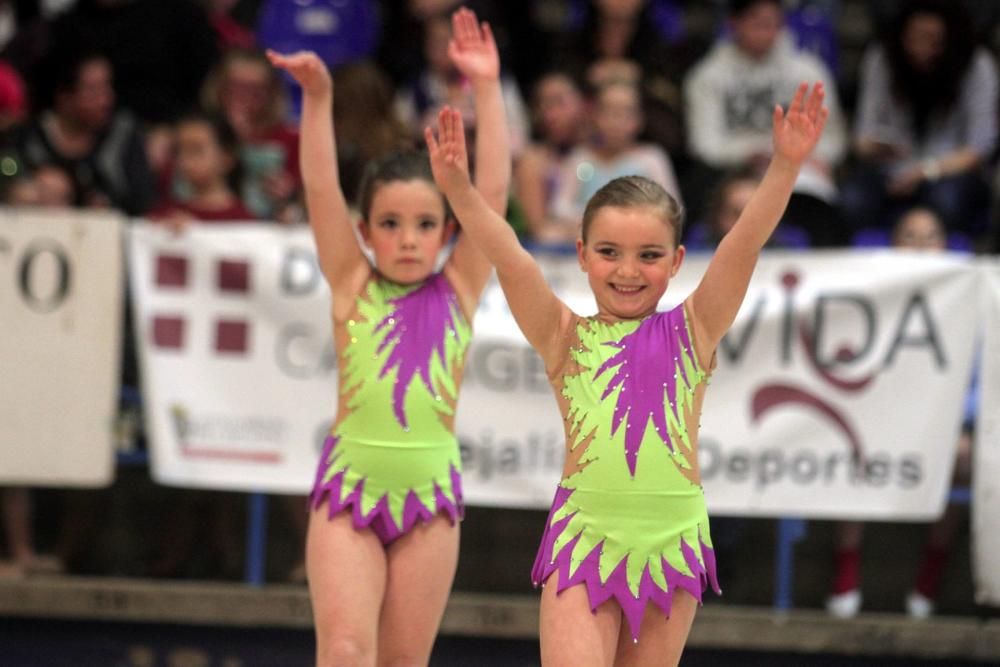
[629,522]
[383,534]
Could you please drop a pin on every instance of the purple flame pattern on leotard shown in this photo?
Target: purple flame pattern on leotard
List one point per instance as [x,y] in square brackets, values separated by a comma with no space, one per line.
[645,358]
[616,587]
[379,519]
[416,329]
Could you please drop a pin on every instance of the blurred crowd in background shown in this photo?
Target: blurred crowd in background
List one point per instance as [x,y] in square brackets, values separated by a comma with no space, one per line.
[168,110]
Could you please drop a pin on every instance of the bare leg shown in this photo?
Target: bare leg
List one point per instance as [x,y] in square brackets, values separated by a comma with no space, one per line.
[849,535]
[295,508]
[17,524]
[942,533]
[662,639]
[421,568]
[347,575]
[847,543]
[571,634]
[845,591]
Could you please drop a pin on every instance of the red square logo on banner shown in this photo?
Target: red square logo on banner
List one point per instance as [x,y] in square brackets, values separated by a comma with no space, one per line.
[168,332]
[233,276]
[171,271]
[232,336]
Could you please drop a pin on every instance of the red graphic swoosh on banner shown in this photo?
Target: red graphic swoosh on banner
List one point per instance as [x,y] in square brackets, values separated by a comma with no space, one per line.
[229,454]
[773,396]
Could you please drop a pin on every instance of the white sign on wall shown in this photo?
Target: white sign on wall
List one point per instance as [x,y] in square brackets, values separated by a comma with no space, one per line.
[233,324]
[61,287]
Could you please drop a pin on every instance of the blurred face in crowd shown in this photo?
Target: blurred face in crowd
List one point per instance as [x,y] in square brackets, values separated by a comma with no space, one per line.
[245,93]
[920,229]
[756,30]
[406,229]
[48,186]
[91,101]
[201,159]
[55,188]
[620,10]
[734,199]
[924,40]
[423,9]
[437,33]
[559,108]
[618,116]
[613,70]
[24,192]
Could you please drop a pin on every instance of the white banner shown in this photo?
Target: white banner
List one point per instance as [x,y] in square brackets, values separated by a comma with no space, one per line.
[236,351]
[61,286]
[835,389]
[986,453]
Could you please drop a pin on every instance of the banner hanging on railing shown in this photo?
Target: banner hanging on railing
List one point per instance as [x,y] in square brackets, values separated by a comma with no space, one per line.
[61,287]
[986,451]
[835,389]
[237,355]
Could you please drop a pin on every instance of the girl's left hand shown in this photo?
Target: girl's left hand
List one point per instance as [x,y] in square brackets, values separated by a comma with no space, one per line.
[449,159]
[472,48]
[797,132]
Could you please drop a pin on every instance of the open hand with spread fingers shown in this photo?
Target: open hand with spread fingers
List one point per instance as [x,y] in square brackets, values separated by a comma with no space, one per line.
[449,159]
[472,48]
[306,68]
[797,132]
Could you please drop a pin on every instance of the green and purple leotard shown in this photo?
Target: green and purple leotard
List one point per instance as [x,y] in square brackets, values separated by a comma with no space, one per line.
[392,458]
[629,518]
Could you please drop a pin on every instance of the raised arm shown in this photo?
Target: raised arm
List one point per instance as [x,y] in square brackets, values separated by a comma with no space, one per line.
[538,312]
[473,51]
[717,299]
[340,256]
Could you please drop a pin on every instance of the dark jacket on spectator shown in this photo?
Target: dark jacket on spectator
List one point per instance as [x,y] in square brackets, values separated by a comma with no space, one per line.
[116,169]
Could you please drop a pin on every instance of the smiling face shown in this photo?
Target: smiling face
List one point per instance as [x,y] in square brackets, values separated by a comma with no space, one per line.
[406,229]
[629,258]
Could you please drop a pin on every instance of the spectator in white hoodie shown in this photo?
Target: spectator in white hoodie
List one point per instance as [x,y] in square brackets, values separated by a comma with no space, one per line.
[730,96]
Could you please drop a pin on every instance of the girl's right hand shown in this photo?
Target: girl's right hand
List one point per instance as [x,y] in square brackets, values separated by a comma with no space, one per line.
[449,159]
[306,68]
[472,48]
[798,131]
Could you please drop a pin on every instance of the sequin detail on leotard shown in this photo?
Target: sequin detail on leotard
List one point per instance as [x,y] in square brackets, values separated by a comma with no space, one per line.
[630,521]
[392,458]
